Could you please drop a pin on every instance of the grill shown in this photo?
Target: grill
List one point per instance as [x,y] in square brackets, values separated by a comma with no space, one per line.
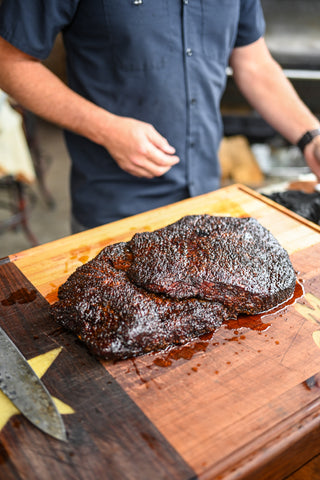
[292,35]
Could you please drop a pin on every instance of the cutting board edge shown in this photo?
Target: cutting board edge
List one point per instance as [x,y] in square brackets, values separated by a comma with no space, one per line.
[273,456]
[279,207]
[19,256]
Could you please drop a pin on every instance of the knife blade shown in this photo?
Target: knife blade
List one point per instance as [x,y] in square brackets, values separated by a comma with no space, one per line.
[20,383]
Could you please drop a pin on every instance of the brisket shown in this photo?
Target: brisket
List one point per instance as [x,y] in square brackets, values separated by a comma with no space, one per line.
[117,319]
[170,286]
[235,261]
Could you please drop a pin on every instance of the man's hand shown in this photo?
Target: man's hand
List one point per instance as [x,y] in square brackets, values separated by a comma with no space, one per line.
[312,156]
[138,148]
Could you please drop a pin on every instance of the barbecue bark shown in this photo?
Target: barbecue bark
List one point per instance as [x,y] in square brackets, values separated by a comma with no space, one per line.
[170,286]
[232,260]
[118,319]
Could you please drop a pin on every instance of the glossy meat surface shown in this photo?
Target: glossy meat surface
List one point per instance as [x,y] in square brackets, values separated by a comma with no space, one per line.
[170,286]
[235,261]
[117,319]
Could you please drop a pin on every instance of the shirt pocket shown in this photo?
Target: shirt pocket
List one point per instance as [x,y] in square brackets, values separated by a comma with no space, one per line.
[139,31]
[219,27]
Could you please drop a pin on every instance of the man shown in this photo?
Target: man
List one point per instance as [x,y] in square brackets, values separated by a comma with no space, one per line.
[146,77]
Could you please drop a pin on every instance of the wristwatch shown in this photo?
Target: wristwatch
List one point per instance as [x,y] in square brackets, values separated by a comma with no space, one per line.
[307,138]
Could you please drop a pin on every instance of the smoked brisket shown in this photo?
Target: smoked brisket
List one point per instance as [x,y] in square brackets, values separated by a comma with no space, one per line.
[170,286]
[118,319]
[235,261]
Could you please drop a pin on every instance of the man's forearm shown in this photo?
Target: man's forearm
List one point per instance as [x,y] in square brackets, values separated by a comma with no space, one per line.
[30,83]
[263,83]
[134,145]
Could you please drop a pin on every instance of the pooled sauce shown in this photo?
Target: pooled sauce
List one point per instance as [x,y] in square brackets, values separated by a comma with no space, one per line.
[186,352]
[250,322]
[144,368]
[255,322]
[22,295]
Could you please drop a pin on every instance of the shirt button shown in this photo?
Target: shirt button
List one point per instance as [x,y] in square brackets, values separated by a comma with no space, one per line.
[193,101]
[186,2]
[189,52]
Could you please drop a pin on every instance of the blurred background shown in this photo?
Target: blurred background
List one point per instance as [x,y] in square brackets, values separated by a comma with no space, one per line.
[34,180]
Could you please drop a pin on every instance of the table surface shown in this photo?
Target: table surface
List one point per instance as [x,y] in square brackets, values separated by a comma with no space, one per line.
[233,406]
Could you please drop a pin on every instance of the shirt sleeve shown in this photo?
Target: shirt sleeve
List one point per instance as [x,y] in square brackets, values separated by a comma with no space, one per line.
[33,26]
[251,23]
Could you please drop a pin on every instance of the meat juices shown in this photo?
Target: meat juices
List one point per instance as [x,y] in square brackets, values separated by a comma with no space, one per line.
[167,287]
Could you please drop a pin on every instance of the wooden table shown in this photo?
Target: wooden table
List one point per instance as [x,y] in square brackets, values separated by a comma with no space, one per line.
[236,406]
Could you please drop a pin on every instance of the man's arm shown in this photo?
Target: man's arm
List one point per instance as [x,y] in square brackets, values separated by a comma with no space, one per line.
[263,83]
[136,146]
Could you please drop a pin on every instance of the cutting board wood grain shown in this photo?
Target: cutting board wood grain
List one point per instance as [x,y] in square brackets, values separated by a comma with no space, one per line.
[231,406]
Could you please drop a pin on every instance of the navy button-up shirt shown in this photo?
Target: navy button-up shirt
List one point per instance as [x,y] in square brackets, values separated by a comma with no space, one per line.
[160,61]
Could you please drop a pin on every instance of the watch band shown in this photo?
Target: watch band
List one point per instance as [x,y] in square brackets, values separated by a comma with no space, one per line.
[307,138]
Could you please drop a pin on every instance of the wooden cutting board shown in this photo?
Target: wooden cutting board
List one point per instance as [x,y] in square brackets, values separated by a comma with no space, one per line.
[243,404]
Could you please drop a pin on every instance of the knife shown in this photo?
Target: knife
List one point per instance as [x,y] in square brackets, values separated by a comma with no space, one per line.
[20,383]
